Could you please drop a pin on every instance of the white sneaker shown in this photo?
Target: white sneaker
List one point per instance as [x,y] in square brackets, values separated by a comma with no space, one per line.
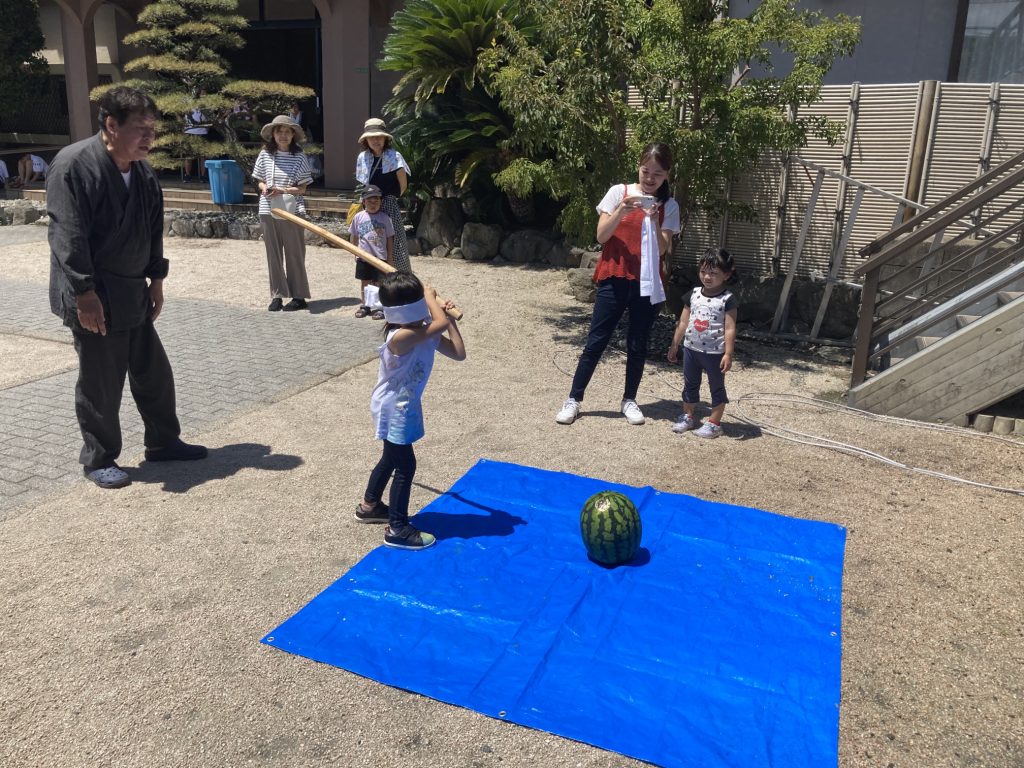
[684,423]
[709,430]
[632,412]
[570,410]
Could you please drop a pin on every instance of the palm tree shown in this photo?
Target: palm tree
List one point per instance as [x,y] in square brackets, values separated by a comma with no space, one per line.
[448,115]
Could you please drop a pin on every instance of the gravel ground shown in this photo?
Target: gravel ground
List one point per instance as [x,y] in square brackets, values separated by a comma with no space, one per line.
[133,617]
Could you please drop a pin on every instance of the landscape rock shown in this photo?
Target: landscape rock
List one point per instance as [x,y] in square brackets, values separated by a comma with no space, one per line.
[480,242]
[589,259]
[183,227]
[526,246]
[412,245]
[219,228]
[441,222]
[22,212]
[559,255]
[238,230]
[581,284]
[840,319]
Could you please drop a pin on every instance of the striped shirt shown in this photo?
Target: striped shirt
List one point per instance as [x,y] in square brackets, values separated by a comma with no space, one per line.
[282,169]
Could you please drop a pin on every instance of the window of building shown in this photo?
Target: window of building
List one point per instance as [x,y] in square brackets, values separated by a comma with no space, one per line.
[993,49]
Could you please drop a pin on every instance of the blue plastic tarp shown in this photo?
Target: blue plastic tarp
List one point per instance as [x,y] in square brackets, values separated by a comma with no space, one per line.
[719,645]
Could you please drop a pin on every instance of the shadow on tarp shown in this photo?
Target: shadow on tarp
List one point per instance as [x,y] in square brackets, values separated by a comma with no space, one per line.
[721,648]
[441,519]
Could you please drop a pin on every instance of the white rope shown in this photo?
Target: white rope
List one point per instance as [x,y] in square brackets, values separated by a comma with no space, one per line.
[816,441]
[793,435]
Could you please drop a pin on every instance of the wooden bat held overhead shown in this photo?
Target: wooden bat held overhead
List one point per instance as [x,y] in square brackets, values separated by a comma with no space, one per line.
[341,242]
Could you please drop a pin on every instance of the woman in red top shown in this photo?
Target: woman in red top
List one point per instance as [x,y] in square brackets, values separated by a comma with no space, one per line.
[635,229]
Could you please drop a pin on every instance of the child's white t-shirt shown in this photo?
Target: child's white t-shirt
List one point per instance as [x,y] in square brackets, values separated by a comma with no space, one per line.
[401,379]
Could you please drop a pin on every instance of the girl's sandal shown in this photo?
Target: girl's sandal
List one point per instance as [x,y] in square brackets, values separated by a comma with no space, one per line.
[378,314]
[362,312]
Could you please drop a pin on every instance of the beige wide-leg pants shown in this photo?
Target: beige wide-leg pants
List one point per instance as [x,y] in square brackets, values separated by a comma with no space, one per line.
[286,258]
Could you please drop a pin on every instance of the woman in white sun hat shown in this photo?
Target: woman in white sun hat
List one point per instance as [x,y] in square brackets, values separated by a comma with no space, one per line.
[282,174]
[382,165]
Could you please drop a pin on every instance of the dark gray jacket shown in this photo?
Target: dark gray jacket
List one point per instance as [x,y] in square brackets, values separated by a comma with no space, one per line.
[104,236]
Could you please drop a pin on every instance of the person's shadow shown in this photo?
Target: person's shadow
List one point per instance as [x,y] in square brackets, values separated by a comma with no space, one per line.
[319,306]
[181,476]
[446,525]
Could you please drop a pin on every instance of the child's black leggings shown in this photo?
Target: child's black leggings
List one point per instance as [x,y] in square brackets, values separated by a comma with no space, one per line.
[399,460]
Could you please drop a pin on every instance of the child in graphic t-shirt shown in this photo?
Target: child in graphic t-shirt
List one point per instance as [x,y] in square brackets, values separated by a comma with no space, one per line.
[373,231]
[707,330]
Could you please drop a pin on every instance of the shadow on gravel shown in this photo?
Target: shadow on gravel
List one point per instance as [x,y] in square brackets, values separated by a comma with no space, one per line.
[319,306]
[573,324]
[223,462]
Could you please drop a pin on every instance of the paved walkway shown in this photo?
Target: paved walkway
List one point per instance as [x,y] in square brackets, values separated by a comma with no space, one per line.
[226,359]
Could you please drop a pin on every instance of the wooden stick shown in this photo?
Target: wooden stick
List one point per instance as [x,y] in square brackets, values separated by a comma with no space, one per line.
[341,242]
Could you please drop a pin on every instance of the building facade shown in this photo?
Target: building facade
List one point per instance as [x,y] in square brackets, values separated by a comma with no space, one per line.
[331,46]
[906,41]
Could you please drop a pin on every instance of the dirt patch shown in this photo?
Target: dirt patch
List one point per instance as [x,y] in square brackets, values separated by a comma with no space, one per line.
[133,616]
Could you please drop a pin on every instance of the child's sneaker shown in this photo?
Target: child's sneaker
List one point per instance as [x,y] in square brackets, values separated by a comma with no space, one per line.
[632,412]
[379,513]
[684,423]
[408,538]
[709,430]
[570,411]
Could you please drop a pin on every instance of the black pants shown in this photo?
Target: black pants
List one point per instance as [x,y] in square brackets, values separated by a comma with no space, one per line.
[614,296]
[399,460]
[103,362]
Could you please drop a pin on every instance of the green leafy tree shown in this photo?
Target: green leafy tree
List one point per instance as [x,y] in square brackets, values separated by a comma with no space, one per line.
[708,86]
[184,70]
[23,70]
[564,85]
[700,82]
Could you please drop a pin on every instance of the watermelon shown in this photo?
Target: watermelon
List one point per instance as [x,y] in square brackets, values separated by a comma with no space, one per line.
[610,526]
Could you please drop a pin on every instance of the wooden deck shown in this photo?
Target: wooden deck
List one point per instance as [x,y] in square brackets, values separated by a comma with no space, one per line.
[320,202]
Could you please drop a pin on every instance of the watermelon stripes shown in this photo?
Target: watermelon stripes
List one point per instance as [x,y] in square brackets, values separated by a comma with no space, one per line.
[610,527]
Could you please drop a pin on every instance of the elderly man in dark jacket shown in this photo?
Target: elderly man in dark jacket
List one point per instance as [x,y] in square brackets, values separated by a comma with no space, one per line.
[106,282]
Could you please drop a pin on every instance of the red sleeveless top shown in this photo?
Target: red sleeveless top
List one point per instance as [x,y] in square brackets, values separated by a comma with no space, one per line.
[620,256]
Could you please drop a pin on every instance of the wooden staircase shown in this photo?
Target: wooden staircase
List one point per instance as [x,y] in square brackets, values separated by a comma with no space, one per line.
[950,378]
[941,330]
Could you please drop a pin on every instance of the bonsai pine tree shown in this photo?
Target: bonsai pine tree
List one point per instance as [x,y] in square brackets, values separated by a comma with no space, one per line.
[184,70]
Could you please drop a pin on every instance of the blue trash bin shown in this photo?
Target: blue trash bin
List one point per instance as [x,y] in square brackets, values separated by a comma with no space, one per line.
[226,181]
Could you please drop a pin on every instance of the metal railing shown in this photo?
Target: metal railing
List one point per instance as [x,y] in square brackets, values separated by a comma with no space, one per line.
[845,222]
[920,273]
